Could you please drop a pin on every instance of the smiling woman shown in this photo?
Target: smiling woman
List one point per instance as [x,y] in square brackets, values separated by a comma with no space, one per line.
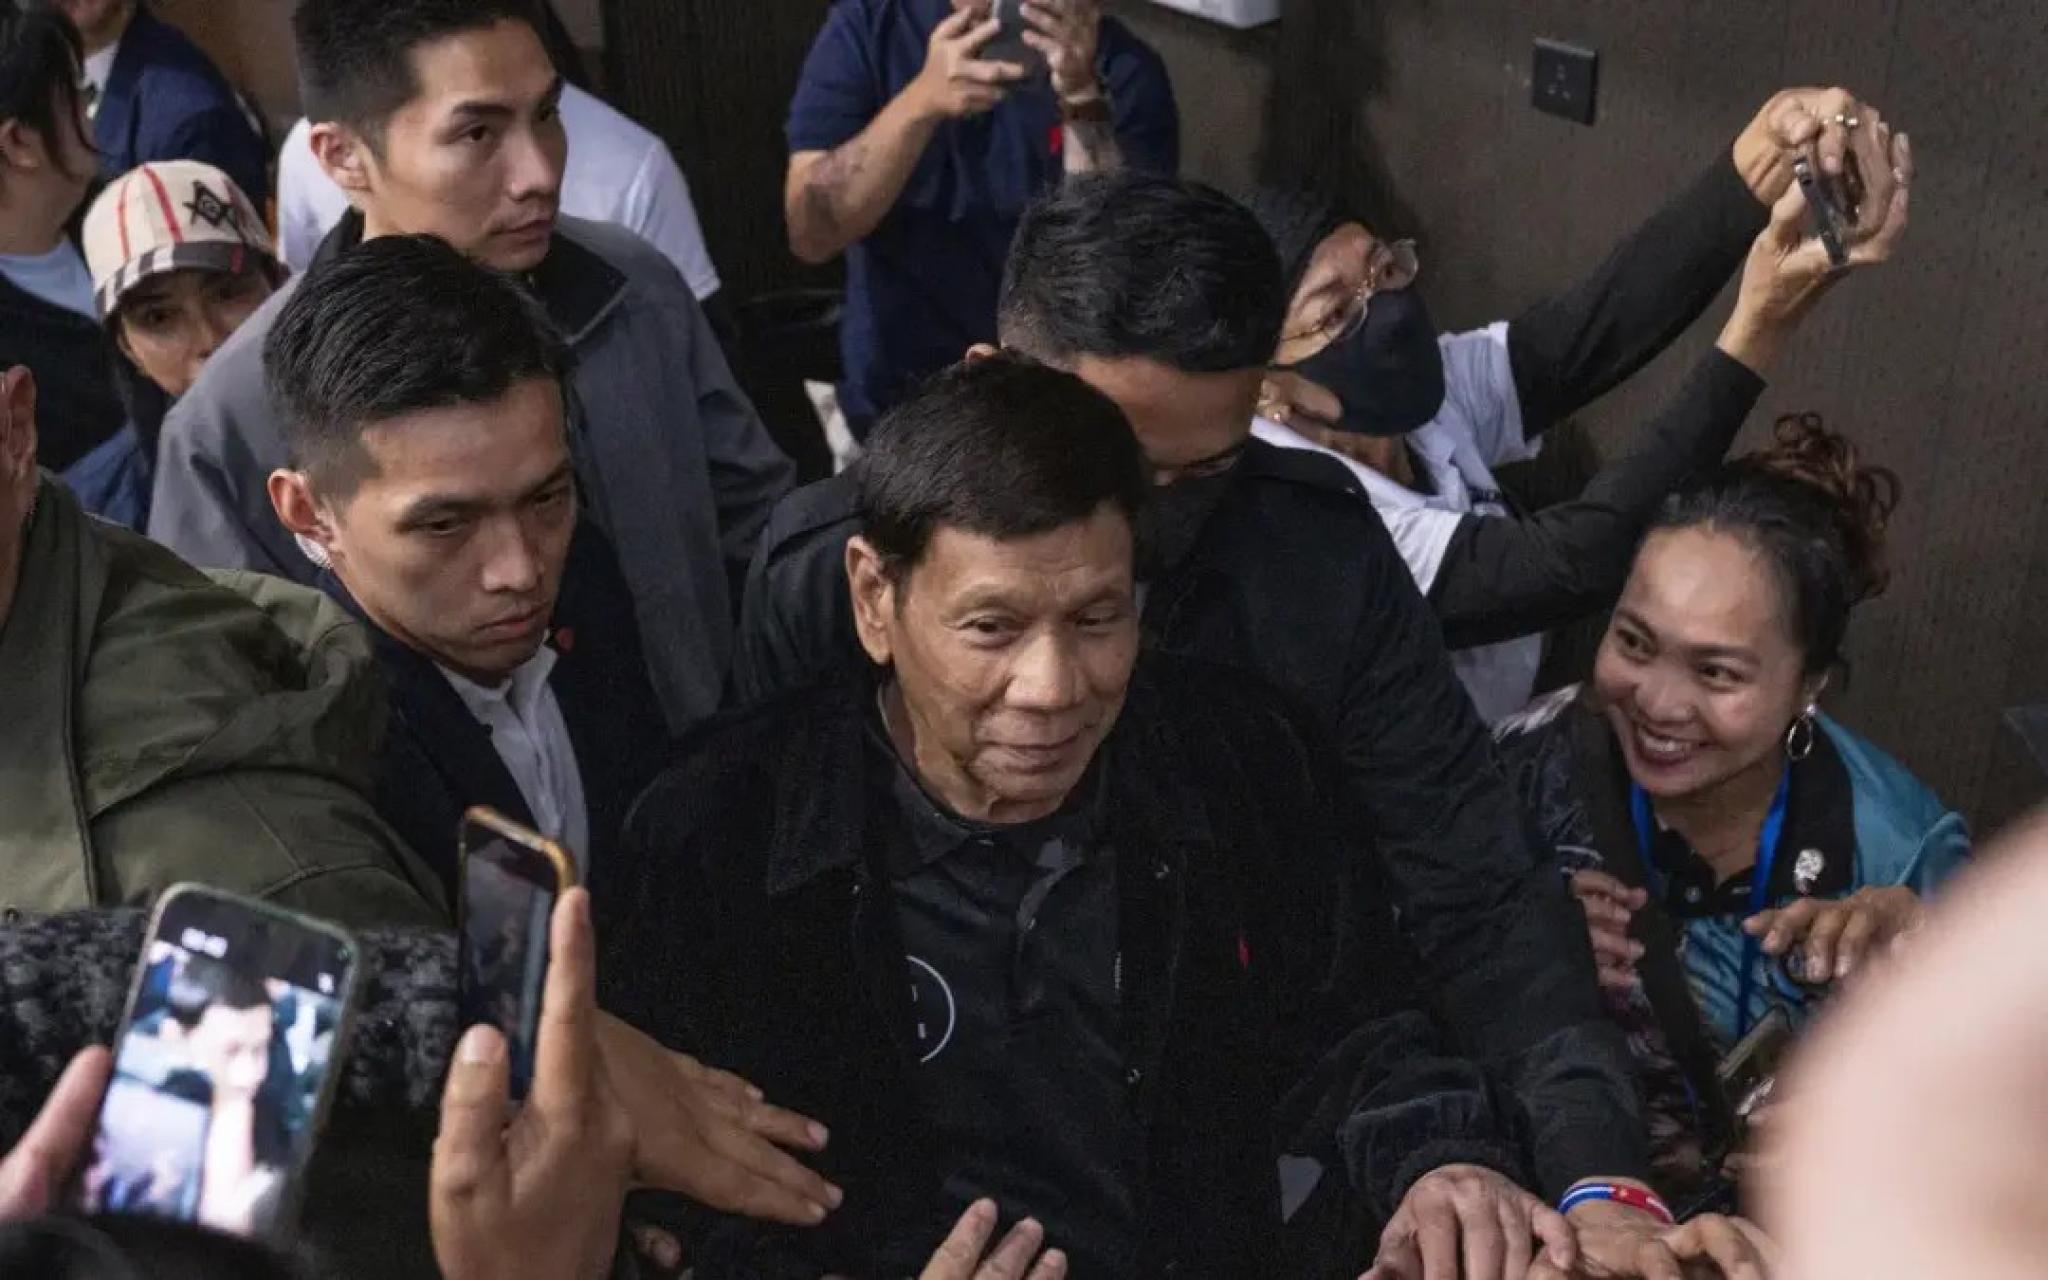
[1737,854]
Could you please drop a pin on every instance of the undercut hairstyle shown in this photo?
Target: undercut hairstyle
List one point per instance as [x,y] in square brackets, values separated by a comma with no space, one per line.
[1004,448]
[355,56]
[40,57]
[394,326]
[1816,514]
[1135,264]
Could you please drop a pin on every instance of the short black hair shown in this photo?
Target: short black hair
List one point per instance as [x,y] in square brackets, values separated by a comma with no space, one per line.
[355,56]
[1298,222]
[1002,447]
[1135,264]
[392,326]
[206,983]
[40,57]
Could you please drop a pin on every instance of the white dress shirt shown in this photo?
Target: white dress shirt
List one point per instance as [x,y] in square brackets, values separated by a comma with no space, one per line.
[526,727]
[1478,429]
[618,172]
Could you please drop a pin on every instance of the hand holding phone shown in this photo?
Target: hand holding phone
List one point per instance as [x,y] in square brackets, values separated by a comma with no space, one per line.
[1009,44]
[223,1069]
[511,878]
[538,1192]
[34,1174]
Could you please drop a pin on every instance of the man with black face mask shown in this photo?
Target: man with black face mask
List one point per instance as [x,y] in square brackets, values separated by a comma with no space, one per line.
[1422,419]
[1168,297]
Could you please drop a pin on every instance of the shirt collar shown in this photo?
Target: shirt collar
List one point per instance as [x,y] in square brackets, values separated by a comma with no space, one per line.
[935,832]
[520,692]
[1816,852]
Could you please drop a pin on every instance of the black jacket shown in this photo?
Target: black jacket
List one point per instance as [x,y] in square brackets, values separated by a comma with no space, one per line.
[1265,987]
[1502,578]
[438,761]
[73,362]
[1294,581]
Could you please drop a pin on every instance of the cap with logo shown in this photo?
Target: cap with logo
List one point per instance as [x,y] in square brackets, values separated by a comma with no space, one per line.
[176,215]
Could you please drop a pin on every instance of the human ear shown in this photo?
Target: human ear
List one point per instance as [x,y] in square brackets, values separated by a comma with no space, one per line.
[873,590]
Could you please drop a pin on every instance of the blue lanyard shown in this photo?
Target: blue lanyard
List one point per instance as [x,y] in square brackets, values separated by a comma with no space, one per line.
[1759,885]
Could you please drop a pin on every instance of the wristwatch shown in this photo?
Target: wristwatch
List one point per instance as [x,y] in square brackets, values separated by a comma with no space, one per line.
[1092,109]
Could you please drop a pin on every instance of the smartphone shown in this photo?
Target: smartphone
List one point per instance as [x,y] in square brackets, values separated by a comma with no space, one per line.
[1008,44]
[225,1065]
[511,877]
[1750,1071]
[1830,219]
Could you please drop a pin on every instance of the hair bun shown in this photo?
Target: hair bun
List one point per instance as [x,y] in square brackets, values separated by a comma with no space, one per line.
[1862,498]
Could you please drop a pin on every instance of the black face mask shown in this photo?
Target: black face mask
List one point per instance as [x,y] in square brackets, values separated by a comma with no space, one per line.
[1389,376]
[1173,520]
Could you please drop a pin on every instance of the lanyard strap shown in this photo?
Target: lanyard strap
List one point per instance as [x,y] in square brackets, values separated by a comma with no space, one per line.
[1759,885]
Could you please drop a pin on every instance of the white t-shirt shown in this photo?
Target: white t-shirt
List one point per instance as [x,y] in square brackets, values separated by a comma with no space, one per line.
[1478,429]
[58,277]
[527,730]
[618,172]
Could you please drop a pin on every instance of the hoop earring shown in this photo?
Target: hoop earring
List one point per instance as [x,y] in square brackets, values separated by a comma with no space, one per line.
[1799,738]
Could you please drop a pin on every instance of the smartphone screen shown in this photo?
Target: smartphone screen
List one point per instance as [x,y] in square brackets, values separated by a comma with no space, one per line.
[224,1065]
[510,880]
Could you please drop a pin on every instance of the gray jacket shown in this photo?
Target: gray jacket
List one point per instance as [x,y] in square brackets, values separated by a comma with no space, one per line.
[675,466]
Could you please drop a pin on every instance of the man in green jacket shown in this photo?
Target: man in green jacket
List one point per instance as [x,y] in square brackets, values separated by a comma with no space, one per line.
[158,725]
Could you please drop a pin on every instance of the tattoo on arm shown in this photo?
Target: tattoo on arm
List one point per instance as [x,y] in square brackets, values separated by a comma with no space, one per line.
[828,180]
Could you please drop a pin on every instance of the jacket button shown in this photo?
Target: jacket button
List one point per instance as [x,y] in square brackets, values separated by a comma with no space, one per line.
[1133,1077]
[1160,871]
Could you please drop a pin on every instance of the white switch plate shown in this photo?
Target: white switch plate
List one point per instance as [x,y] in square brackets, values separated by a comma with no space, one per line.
[1231,13]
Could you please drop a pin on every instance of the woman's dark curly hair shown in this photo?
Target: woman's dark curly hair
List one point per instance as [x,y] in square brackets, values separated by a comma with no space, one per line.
[1815,511]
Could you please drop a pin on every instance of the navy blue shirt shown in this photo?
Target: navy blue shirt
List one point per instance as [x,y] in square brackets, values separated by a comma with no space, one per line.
[922,288]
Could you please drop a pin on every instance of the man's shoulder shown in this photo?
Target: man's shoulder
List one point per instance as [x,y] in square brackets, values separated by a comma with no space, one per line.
[1122,45]
[726,769]
[607,147]
[822,511]
[171,63]
[1266,463]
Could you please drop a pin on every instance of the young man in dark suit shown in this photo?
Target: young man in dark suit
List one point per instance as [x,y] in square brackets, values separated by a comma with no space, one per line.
[423,405]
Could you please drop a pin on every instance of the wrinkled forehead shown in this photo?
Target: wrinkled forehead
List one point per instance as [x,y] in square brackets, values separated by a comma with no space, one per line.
[1062,571]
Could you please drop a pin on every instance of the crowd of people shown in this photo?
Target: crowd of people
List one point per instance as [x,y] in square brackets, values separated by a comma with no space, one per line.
[1112,828]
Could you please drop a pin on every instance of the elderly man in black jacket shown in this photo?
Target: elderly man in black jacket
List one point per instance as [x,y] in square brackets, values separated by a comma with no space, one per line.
[1021,922]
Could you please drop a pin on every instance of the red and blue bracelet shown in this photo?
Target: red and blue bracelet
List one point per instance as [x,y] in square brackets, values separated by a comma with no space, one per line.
[1633,1197]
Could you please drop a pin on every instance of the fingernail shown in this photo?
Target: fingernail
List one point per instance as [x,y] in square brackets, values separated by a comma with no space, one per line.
[816,1213]
[754,1094]
[819,1133]
[480,1047]
[834,1195]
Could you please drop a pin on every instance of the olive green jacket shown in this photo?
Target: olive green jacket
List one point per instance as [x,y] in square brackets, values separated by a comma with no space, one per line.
[158,725]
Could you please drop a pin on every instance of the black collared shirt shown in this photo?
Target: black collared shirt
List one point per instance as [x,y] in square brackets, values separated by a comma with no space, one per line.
[1011,937]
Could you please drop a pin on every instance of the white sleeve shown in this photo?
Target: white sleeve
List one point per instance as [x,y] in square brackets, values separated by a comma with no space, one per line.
[658,209]
[308,202]
[1421,533]
[1479,394]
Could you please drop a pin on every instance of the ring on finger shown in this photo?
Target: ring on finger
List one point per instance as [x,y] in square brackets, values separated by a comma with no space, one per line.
[1847,121]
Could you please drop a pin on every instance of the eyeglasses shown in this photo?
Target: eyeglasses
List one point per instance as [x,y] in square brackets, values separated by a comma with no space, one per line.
[1392,266]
